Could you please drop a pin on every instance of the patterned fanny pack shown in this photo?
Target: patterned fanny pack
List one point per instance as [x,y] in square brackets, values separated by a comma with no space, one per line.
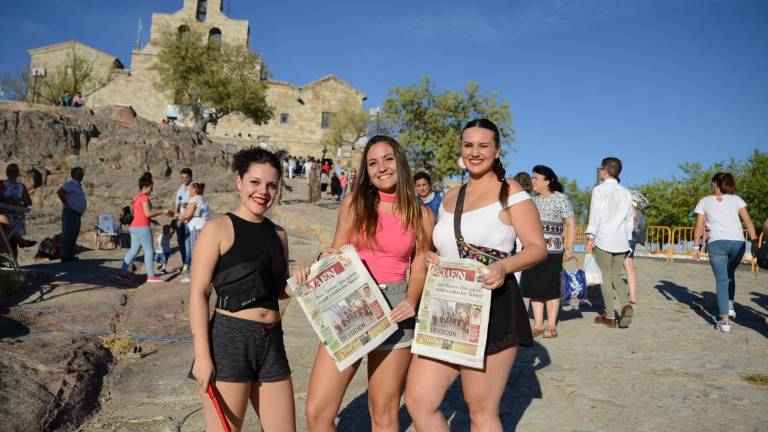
[481,254]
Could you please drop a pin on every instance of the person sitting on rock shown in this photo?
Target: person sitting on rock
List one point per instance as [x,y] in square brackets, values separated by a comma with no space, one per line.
[15,193]
[78,101]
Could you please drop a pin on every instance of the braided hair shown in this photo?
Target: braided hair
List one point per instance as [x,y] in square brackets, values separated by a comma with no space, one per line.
[498,168]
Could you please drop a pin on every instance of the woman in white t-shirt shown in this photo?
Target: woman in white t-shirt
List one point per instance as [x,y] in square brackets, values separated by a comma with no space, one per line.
[720,214]
[197,213]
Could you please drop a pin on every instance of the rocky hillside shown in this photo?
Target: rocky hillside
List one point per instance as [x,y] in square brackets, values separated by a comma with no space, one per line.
[114,146]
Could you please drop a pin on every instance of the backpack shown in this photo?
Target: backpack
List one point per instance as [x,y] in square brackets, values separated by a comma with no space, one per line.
[641,228]
[126,216]
[762,255]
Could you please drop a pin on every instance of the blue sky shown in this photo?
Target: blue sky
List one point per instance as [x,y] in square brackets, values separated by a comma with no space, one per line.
[654,82]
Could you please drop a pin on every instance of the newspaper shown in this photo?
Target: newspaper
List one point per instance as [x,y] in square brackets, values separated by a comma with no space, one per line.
[452,322]
[344,306]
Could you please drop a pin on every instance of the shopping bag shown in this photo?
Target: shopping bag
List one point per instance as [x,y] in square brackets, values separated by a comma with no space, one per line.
[573,286]
[591,271]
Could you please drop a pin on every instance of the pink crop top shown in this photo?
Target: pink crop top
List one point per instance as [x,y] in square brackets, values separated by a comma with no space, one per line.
[390,257]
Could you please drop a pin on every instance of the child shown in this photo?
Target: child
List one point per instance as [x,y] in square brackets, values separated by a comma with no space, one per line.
[163,249]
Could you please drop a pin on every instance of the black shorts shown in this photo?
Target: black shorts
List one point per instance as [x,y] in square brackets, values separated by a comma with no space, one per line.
[245,350]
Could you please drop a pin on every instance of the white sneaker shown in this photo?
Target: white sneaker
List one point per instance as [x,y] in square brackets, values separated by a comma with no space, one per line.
[731,311]
[184,268]
[185,279]
[724,326]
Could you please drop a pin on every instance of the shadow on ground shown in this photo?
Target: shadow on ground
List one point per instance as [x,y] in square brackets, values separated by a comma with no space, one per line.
[522,387]
[705,305]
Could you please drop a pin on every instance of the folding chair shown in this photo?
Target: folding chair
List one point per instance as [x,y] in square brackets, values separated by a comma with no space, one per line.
[106,232]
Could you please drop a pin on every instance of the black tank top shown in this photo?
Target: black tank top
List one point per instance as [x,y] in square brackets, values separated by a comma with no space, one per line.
[257,242]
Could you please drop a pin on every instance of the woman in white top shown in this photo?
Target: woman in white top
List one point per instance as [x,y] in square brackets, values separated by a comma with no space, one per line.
[197,213]
[720,213]
[495,212]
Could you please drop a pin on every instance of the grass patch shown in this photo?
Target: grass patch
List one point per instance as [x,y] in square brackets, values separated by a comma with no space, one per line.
[756,379]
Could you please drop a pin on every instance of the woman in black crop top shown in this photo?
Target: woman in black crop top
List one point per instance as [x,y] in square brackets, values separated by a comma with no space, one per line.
[244,256]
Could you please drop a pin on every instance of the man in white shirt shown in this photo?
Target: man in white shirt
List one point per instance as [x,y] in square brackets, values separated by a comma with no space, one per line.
[610,228]
[182,230]
[74,205]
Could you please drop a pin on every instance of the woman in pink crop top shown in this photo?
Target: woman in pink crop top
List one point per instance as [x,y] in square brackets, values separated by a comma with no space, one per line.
[391,232]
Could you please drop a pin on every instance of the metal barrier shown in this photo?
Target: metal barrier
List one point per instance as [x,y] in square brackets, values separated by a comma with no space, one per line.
[658,241]
[681,239]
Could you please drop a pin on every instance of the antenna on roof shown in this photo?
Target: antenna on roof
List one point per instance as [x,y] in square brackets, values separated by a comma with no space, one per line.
[137,45]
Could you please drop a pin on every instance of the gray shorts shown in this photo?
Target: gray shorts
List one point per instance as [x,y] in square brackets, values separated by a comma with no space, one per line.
[246,351]
[395,292]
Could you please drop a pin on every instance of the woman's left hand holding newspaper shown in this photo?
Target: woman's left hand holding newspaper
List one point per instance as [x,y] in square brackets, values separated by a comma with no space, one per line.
[404,310]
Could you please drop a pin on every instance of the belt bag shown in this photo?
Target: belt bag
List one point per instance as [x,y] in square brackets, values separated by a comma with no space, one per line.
[482,254]
[240,286]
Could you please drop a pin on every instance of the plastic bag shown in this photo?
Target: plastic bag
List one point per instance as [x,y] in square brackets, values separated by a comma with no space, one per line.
[591,271]
[573,287]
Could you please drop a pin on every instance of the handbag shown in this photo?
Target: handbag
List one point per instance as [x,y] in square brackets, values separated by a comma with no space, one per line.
[481,254]
[762,255]
[592,272]
[573,286]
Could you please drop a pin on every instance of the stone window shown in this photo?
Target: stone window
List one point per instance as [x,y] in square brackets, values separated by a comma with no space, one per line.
[214,36]
[183,31]
[284,118]
[325,121]
[202,10]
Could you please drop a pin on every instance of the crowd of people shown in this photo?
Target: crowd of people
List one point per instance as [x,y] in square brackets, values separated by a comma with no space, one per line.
[398,224]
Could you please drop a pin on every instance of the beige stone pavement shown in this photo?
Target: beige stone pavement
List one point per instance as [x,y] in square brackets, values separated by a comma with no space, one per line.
[671,370]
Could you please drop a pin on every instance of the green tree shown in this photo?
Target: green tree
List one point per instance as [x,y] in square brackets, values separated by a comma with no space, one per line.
[428,123]
[579,197]
[752,186]
[211,79]
[348,124]
[75,75]
[671,201]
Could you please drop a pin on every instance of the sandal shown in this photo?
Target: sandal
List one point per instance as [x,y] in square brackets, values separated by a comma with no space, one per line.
[537,332]
[550,333]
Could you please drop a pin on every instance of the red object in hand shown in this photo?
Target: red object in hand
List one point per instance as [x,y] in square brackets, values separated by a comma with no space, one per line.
[213,394]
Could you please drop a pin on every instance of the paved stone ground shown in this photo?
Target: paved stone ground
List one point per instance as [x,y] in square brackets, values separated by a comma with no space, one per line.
[670,371]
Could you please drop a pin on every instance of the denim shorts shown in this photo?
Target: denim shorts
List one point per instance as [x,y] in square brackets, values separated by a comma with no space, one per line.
[246,351]
[395,292]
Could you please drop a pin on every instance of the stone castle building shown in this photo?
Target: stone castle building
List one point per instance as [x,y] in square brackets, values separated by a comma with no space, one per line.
[301,113]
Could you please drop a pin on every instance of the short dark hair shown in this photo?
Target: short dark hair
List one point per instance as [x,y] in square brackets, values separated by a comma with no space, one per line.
[422,175]
[75,170]
[145,180]
[612,166]
[12,166]
[549,174]
[243,159]
[187,171]
[725,182]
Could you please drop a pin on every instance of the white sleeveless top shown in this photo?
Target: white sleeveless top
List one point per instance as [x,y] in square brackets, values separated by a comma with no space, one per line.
[480,227]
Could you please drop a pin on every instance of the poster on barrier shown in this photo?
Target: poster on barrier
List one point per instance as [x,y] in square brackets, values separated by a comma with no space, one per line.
[452,321]
[344,306]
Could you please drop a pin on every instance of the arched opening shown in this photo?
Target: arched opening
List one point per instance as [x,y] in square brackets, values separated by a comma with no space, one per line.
[183,31]
[202,10]
[214,36]
[117,64]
